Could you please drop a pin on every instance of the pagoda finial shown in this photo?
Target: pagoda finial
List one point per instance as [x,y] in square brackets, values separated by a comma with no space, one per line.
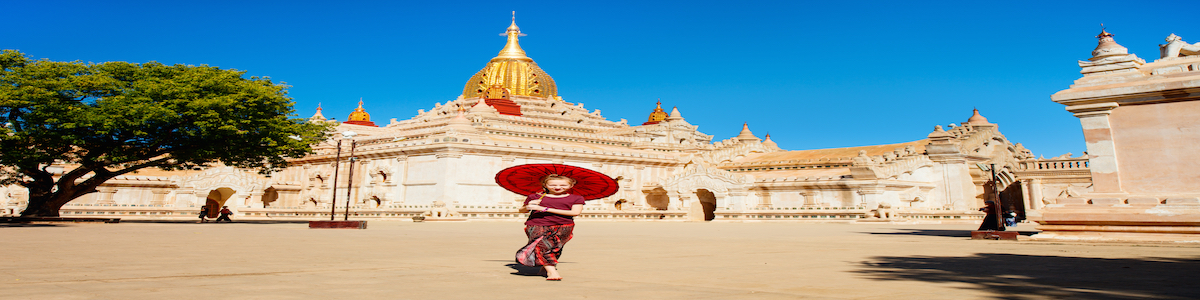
[746,135]
[658,115]
[318,116]
[512,49]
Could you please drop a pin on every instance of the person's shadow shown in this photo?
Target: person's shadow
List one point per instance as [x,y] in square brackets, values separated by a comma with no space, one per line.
[522,270]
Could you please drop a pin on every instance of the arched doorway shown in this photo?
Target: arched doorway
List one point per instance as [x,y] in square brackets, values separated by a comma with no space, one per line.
[216,199]
[1012,198]
[269,195]
[374,202]
[657,198]
[708,202]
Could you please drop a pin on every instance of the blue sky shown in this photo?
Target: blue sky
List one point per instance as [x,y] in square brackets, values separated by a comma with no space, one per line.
[812,74]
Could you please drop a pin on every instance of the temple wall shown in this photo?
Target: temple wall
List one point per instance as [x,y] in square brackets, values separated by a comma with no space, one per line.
[1155,147]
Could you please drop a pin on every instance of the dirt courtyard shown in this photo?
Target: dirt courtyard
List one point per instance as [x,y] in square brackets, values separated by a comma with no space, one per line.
[606,260]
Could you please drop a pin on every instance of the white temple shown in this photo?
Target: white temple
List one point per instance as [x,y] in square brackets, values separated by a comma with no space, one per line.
[510,113]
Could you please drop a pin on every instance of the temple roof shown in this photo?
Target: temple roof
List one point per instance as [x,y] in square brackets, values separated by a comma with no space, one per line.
[512,70]
[848,152]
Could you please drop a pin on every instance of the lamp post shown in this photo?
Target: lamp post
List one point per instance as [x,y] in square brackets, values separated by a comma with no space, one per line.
[346,223]
[337,163]
[350,176]
[999,203]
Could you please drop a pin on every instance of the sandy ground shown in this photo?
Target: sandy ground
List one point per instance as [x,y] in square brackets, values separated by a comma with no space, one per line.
[607,260]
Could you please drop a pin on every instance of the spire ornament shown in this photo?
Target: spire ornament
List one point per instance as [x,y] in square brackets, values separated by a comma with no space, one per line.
[511,69]
[1109,58]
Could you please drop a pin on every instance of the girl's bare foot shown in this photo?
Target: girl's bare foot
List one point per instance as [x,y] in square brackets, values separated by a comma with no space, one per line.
[552,273]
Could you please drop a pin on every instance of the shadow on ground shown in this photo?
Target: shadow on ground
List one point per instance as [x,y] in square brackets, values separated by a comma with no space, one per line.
[1010,276]
[211,222]
[942,233]
[522,270]
[2,225]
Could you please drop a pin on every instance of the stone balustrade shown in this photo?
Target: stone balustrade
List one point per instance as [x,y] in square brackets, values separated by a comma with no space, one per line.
[1077,163]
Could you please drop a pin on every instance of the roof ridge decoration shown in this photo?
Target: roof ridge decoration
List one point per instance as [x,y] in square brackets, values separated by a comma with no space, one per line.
[317,116]
[746,135]
[1109,58]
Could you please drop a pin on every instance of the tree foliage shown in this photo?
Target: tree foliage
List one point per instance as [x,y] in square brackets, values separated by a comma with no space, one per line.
[103,120]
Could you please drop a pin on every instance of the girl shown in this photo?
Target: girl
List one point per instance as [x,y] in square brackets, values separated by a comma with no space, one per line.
[550,224]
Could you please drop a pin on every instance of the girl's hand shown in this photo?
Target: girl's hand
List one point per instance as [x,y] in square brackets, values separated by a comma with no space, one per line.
[534,207]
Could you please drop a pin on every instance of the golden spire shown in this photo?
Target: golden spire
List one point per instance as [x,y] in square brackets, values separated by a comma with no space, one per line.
[658,115]
[512,70]
[512,50]
[359,113]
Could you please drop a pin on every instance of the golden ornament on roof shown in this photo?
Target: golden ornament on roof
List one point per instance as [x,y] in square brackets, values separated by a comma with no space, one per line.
[658,115]
[360,114]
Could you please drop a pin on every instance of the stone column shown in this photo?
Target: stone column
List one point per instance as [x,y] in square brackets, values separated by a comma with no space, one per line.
[673,201]
[1097,131]
[722,200]
[159,196]
[809,200]
[255,200]
[105,196]
[186,197]
[737,200]
[764,199]
[1035,194]
[870,197]
[401,175]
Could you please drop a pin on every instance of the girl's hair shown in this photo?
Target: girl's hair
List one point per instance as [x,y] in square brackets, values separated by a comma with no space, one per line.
[550,177]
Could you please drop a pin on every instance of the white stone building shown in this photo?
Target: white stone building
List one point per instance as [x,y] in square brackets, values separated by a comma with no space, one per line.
[510,113]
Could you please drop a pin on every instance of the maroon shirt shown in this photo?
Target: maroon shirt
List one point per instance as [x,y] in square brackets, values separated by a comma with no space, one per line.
[539,218]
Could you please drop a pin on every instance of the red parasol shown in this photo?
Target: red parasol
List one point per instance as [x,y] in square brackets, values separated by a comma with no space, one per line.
[527,179]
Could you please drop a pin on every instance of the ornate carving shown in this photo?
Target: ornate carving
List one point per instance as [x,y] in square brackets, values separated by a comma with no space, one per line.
[1176,47]
[698,176]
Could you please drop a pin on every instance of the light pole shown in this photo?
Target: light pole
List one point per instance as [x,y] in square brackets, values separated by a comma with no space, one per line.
[350,177]
[333,198]
[996,193]
[337,163]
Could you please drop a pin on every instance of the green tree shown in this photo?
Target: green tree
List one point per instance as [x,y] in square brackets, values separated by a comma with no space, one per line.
[102,120]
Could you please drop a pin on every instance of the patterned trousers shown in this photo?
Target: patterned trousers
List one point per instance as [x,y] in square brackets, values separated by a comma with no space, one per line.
[545,244]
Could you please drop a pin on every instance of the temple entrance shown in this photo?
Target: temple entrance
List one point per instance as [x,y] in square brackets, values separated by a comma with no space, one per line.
[374,202]
[269,195]
[1012,198]
[216,199]
[708,202]
[657,198]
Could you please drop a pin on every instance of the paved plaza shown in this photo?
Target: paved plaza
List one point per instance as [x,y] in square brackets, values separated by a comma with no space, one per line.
[607,260]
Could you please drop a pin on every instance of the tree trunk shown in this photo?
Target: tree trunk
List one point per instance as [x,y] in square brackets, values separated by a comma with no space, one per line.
[47,205]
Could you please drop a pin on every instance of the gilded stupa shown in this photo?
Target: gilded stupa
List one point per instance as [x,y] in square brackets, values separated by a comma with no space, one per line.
[657,116]
[512,70]
[360,116]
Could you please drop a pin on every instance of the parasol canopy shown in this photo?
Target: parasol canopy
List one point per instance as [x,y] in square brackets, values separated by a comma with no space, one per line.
[527,179]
